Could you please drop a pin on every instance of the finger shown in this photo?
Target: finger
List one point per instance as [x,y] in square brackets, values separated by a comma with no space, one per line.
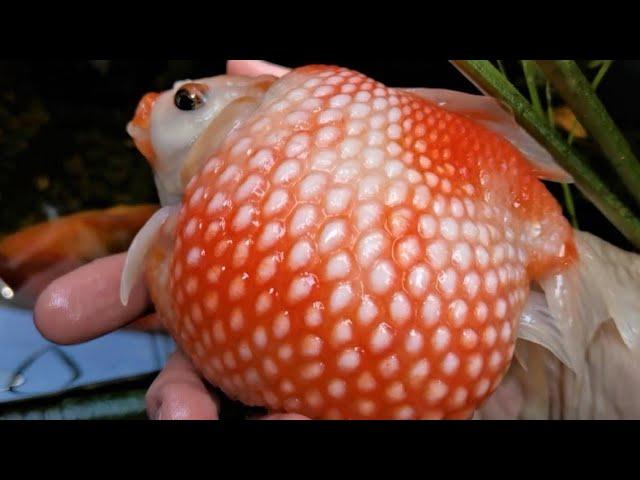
[178,393]
[85,303]
[253,68]
[148,323]
[28,291]
[285,416]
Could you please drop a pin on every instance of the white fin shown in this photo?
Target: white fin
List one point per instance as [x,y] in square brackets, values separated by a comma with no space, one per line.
[134,263]
[538,325]
[588,322]
[603,285]
[540,328]
[607,388]
[487,111]
[521,354]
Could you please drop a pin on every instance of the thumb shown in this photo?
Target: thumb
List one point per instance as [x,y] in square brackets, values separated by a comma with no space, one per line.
[254,68]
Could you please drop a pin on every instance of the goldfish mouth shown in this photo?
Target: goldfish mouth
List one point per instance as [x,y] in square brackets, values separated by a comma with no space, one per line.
[140,127]
[142,140]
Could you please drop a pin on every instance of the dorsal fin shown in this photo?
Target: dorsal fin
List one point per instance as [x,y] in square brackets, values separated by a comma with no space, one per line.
[487,111]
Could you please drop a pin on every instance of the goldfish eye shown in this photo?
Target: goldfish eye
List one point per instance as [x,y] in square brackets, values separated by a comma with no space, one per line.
[190,96]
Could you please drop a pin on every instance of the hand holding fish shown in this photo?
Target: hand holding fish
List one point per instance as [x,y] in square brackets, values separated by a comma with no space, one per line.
[85,304]
[334,247]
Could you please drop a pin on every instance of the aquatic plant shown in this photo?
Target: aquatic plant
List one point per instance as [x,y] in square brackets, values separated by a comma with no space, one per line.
[568,79]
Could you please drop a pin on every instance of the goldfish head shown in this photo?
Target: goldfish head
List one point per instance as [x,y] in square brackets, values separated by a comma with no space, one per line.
[177,129]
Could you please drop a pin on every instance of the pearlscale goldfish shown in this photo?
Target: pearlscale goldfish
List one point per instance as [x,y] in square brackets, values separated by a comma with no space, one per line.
[337,248]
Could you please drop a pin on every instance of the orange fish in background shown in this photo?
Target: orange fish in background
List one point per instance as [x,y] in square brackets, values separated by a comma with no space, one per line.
[337,248]
[34,256]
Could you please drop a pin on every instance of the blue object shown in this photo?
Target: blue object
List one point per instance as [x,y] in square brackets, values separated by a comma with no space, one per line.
[35,366]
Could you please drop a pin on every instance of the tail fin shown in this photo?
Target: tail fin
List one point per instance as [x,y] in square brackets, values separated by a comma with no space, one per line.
[603,286]
[578,352]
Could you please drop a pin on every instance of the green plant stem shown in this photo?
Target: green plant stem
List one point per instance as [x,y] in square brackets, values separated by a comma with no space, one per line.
[571,208]
[547,93]
[602,71]
[595,83]
[530,76]
[502,69]
[568,80]
[566,188]
[492,82]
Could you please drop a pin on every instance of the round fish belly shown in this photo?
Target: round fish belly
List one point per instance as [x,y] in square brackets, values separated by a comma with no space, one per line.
[354,251]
